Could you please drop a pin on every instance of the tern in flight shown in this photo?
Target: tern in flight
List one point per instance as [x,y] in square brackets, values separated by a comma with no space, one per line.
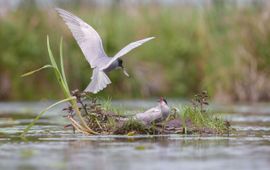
[91,45]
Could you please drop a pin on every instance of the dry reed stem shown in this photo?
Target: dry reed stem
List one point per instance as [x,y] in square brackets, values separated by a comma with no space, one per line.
[85,127]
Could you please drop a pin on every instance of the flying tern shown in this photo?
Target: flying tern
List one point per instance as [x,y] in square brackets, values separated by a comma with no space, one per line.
[91,45]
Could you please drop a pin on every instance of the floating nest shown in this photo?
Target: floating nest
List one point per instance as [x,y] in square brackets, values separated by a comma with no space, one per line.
[101,120]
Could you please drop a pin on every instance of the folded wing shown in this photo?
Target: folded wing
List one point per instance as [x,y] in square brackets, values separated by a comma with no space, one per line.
[86,37]
[149,115]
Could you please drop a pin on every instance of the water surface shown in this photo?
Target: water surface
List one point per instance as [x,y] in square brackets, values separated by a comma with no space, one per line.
[50,146]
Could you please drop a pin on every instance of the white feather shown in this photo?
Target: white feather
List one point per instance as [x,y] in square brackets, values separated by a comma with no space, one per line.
[99,81]
[150,115]
[87,38]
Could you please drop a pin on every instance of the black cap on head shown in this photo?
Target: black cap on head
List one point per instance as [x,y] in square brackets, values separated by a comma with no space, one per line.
[120,62]
[162,99]
[165,101]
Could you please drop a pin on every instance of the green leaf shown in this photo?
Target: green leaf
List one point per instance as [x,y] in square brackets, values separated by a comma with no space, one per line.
[57,72]
[34,71]
[62,84]
[132,133]
[50,53]
[62,63]
[42,112]
[140,147]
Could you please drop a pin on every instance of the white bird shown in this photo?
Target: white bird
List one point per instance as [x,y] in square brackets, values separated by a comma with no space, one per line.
[91,45]
[160,112]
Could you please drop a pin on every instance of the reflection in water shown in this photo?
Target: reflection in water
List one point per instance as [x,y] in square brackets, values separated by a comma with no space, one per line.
[50,146]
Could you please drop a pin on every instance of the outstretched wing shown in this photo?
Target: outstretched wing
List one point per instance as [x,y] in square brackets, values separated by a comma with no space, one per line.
[99,81]
[86,37]
[125,50]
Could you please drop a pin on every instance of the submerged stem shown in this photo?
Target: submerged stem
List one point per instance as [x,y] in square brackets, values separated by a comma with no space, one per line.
[42,112]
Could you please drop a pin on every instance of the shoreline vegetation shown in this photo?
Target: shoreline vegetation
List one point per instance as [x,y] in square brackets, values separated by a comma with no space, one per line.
[92,117]
[223,48]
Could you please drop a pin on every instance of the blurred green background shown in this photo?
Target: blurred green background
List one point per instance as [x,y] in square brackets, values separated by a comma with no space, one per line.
[222,46]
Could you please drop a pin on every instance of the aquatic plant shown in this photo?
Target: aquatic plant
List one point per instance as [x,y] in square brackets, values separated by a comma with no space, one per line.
[61,78]
[200,119]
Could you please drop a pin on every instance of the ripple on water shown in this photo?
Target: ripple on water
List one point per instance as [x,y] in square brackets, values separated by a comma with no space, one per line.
[50,146]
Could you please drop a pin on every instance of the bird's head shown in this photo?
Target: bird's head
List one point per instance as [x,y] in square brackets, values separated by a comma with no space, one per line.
[163,101]
[120,64]
[165,109]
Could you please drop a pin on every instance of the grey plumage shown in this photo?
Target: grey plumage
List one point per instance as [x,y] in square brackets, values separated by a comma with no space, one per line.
[160,112]
[91,45]
[157,113]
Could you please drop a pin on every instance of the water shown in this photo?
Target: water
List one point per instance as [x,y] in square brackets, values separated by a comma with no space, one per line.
[50,146]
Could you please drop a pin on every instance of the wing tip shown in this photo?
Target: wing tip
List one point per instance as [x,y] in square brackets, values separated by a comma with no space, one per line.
[149,38]
[63,13]
[146,39]
[59,10]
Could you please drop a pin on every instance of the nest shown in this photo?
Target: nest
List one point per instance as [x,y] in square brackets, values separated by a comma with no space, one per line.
[101,120]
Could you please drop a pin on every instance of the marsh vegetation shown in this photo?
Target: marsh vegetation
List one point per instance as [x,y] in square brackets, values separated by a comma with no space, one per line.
[222,48]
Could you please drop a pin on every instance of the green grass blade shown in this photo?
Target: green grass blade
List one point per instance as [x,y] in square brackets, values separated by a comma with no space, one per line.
[50,53]
[61,82]
[34,71]
[57,72]
[62,63]
[42,112]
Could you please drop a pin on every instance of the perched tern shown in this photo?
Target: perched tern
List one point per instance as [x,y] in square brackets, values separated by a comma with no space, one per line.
[159,112]
[91,45]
